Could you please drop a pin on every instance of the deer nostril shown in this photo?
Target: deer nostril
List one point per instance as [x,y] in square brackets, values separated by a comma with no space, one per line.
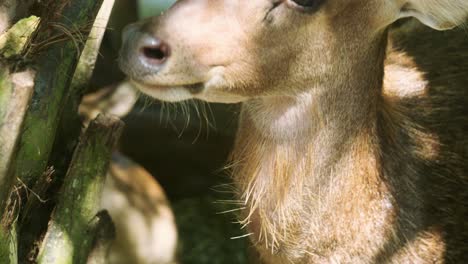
[153,53]
[156,53]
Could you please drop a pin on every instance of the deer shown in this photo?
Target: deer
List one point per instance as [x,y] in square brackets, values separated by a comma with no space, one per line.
[345,151]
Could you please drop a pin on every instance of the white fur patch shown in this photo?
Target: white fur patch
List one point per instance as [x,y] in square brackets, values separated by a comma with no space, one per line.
[402,81]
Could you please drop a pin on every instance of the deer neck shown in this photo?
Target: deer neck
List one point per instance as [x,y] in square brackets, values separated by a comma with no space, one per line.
[304,154]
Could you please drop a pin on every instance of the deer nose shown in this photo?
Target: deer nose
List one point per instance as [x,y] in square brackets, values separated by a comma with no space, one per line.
[152,51]
[142,53]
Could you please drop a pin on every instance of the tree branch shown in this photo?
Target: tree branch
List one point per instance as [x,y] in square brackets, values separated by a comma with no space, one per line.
[56,66]
[69,238]
[15,94]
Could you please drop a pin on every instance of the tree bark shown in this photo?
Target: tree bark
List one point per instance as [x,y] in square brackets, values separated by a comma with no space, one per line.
[55,113]
[15,94]
[70,237]
[56,64]
[36,150]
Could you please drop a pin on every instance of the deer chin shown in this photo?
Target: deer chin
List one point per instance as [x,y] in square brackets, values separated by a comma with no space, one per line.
[213,91]
[170,93]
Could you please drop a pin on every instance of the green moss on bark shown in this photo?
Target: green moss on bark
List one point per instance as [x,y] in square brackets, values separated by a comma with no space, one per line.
[70,236]
[55,66]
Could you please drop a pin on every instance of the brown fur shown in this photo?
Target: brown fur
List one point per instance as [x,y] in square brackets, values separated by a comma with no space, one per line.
[347,151]
[144,223]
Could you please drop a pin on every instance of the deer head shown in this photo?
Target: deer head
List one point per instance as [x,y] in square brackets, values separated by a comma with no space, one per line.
[231,51]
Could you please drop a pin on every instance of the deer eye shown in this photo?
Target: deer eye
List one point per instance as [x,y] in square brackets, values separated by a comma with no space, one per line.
[305,5]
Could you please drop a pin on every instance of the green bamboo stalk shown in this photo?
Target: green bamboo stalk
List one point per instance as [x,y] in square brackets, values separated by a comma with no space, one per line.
[70,237]
[15,93]
[56,66]
[16,89]
[80,80]
[64,136]
[90,53]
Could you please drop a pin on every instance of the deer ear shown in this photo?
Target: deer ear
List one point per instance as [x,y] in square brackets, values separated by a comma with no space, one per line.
[438,14]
